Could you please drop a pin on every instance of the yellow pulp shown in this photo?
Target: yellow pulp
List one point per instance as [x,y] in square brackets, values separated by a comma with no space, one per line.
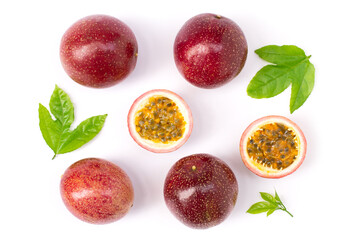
[160,120]
[273,145]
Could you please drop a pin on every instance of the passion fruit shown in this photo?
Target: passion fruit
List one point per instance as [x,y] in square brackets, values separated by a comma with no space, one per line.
[160,121]
[273,147]
[200,190]
[96,191]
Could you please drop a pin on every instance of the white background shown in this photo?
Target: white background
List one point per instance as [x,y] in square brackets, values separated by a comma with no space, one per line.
[317,193]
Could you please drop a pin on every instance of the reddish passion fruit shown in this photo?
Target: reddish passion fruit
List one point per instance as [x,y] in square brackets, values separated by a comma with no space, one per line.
[200,190]
[273,147]
[160,121]
[96,191]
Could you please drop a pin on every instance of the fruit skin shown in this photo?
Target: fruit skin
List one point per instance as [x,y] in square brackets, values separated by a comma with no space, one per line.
[201,196]
[96,191]
[98,51]
[210,50]
[276,174]
[158,148]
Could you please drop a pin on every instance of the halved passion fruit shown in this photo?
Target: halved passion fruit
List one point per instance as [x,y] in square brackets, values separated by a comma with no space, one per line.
[160,121]
[273,147]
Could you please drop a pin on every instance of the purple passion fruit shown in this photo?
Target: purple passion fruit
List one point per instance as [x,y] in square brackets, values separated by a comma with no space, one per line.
[96,191]
[210,50]
[273,147]
[200,190]
[160,121]
[98,51]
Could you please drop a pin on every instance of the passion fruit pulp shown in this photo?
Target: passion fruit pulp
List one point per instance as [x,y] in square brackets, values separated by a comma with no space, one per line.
[160,121]
[273,147]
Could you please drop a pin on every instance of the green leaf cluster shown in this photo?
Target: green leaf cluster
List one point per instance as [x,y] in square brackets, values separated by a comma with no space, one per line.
[290,66]
[270,204]
[57,133]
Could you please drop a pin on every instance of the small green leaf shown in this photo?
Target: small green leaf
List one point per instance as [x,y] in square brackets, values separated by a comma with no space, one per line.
[302,85]
[61,107]
[270,211]
[268,197]
[271,204]
[260,207]
[277,197]
[49,128]
[270,81]
[286,55]
[83,133]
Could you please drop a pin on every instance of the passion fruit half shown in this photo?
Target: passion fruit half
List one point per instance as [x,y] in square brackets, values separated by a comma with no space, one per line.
[160,121]
[273,147]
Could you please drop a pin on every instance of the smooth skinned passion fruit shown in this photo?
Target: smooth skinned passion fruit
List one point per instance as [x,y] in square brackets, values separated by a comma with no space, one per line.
[200,190]
[160,121]
[273,147]
[96,191]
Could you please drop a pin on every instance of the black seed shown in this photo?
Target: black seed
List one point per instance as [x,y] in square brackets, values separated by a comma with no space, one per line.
[251,141]
[279,162]
[281,150]
[163,139]
[255,145]
[282,156]
[169,104]
[259,158]
[249,150]
[269,150]
[286,149]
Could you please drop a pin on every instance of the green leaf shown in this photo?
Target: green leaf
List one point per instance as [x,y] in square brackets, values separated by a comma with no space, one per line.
[277,198]
[270,211]
[281,55]
[268,197]
[49,128]
[271,204]
[292,67]
[302,84]
[57,133]
[61,107]
[260,207]
[86,131]
[269,81]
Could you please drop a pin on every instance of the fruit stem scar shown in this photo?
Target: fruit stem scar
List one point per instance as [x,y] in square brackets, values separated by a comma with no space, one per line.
[193,168]
[218,16]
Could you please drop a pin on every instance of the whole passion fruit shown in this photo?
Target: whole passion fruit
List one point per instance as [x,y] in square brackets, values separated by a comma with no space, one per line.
[200,190]
[273,147]
[96,191]
[98,51]
[210,50]
[160,121]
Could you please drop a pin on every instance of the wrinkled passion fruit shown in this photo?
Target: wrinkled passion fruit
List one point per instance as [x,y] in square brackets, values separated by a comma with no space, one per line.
[200,190]
[273,147]
[160,121]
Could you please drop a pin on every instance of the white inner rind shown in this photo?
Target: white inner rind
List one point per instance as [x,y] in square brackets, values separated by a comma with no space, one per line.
[268,170]
[183,108]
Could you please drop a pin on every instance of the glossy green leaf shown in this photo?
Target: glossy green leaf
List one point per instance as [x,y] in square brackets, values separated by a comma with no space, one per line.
[290,67]
[287,55]
[268,197]
[270,81]
[61,107]
[57,133]
[260,207]
[271,204]
[302,84]
[49,129]
[83,133]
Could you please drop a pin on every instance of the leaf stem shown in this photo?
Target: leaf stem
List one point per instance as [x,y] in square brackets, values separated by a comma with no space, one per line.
[54,156]
[288,212]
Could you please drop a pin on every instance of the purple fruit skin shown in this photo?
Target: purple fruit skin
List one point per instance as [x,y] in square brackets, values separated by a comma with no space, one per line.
[200,190]
[98,51]
[210,50]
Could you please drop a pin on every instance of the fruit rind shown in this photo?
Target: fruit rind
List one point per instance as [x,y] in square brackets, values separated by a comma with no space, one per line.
[148,144]
[265,171]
